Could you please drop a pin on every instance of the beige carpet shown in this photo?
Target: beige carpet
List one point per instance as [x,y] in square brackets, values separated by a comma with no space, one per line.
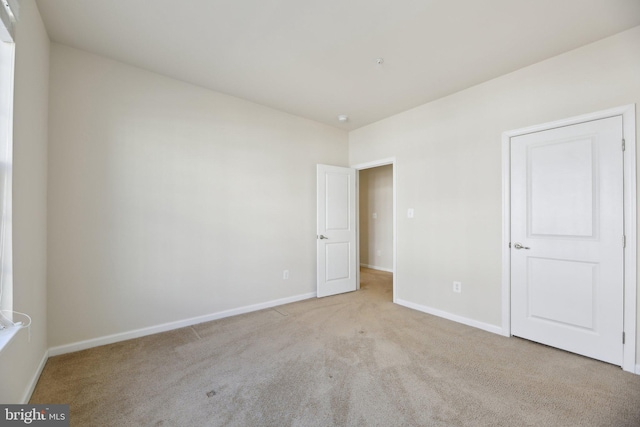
[349,360]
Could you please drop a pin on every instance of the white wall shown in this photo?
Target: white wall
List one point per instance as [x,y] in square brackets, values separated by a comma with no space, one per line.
[376,234]
[20,360]
[168,201]
[448,160]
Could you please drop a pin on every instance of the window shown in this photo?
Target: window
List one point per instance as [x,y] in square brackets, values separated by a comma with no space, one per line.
[6,160]
[7,327]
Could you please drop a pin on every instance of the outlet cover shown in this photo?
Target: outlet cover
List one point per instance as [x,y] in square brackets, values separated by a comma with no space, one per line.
[457,287]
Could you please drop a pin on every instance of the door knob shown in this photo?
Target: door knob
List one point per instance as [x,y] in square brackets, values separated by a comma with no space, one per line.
[321,237]
[519,246]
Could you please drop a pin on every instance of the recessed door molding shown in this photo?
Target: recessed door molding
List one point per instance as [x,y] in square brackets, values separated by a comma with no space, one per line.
[628,115]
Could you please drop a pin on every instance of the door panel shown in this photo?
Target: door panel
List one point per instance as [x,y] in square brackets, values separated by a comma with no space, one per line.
[336,227]
[338,261]
[562,291]
[561,186]
[337,198]
[567,217]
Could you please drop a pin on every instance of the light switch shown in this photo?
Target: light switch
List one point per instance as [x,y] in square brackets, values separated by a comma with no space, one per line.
[375,215]
[410,213]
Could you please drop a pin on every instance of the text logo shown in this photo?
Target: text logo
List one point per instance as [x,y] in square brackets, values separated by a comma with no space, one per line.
[34,415]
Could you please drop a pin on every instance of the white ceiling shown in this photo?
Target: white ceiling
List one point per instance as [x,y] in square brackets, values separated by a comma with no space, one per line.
[316,59]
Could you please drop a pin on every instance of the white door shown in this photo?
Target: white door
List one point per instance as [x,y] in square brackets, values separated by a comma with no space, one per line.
[336,238]
[567,238]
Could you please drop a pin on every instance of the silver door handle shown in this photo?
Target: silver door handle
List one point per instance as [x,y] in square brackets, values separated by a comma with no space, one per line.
[321,237]
[519,246]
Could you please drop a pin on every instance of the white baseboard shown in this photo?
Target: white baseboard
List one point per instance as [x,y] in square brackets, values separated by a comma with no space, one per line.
[449,316]
[137,333]
[637,369]
[35,378]
[373,267]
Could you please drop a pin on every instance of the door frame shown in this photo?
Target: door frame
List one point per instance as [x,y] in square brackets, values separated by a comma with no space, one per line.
[370,165]
[628,113]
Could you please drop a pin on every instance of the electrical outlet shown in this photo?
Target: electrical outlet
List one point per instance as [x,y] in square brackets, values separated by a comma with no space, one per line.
[285,274]
[375,215]
[379,252]
[457,287]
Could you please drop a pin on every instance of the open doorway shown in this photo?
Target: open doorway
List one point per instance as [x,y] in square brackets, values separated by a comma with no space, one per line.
[376,228]
[376,218]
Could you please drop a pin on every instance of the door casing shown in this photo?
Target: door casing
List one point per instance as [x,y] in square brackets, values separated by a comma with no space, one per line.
[628,115]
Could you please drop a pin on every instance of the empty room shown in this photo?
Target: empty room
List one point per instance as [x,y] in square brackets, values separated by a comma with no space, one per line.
[334,213]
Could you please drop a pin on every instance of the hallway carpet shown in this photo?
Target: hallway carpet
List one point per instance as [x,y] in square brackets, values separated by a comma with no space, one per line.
[349,360]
